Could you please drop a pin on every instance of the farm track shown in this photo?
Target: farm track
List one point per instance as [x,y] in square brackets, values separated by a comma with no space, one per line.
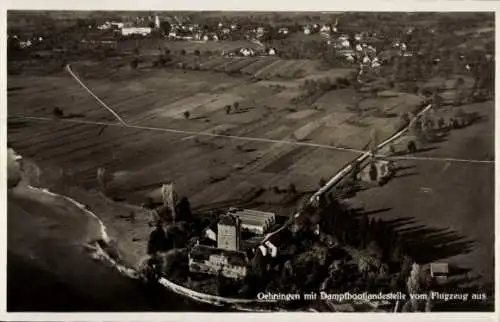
[68,68]
[265,70]
[257,65]
[287,66]
[245,138]
[239,65]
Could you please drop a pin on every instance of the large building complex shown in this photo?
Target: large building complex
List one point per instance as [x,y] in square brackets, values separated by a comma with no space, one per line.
[226,259]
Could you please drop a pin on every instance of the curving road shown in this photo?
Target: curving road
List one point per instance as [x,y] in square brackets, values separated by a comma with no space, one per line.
[347,169]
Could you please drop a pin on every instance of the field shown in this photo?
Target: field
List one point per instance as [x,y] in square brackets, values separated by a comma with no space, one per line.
[164,146]
[445,209]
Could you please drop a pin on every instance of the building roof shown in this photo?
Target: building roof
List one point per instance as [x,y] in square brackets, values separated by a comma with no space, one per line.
[439,268]
[202,252]
[252,217]
[213,226]
[251,242]
[279,238]
[228,220]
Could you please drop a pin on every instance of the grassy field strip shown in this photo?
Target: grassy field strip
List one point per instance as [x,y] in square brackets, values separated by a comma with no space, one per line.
[266,69]
[25,139]
[245,138]
[86,147]
[61,141]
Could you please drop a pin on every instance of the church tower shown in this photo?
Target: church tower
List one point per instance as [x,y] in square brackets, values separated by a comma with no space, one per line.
[229,233]
[157,22]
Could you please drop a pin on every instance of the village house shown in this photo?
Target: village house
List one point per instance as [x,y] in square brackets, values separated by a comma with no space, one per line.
[111,25]
[143,31]
[439,271]
[272,245]
[350,58]
[283,31]
[25,44]
[260,32]
[211,232]
[377,171]
[376,63]
[246,52]
[326,30]
[345,53]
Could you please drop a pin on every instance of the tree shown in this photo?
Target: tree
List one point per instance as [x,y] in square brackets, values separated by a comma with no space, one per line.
[292,189]
[373,172]
[157,240]
[413,283]
[236,105]
[373,140]
[197,52]
[459,113]
[416,127]
[186,114]
[182,52]
[354,171]
[404,120]
[153,269]
[219,282]
[58,112]
[101,179]
[258,264]
[428,134]
[436,100]
[228,109]
[459,93]
[441,123]
[322,182]
[134,63]
[459,82]
[392,149]
[183,209]
[165,27]
[412,147]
